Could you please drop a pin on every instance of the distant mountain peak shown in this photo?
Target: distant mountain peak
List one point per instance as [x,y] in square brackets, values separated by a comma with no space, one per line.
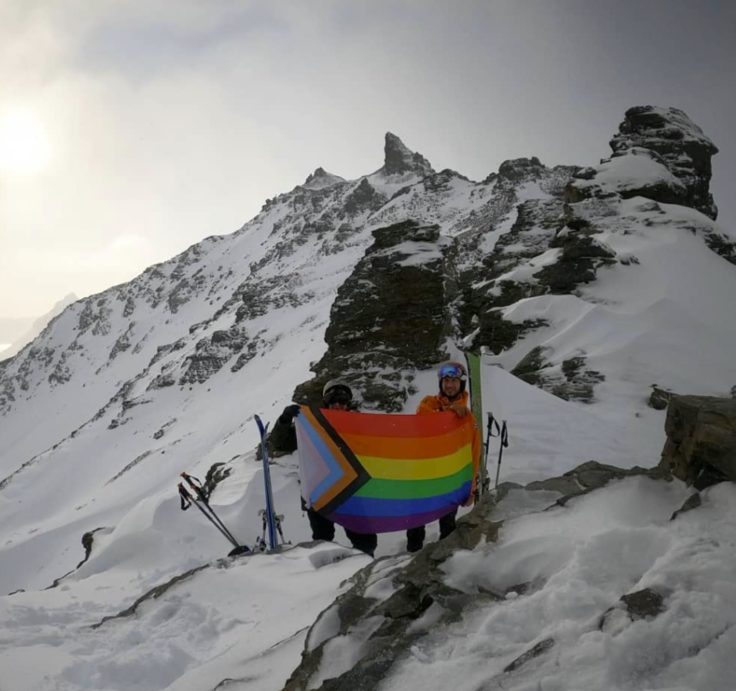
[521,168]
[320,179]
[399,158]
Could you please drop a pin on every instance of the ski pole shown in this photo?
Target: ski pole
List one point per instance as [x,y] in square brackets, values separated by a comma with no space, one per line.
[504,437]
[202,497]
[187,500]
[491,424]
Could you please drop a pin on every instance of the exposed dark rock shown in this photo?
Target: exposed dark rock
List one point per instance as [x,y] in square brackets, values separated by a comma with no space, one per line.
[62,373]
[529,368]
[95,317]
[87,542]
[129,307]
[539,649]
[521,169]
[321,178]
[683,147]
[122,343]
[659,398]
[581,257]
[673,142]
[398,159]
[211,354]
[484,288]
[152,594]
[162,380]
[216,473]
[701,440]
[722,246]
[571,381]
[251,350]
[692,502]
[363,198]
[417,587]
[643,604]
[132,463]
[579,381]
[382,632]
[388,319]
[590,476]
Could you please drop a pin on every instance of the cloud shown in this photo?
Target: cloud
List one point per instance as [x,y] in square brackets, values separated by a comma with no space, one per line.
[175,125]
[29,275]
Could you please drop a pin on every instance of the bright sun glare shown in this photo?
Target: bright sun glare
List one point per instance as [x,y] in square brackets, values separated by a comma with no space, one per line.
[24,147]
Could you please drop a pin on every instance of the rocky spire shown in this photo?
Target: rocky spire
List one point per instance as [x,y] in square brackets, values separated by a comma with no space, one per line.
[399,159]
[321,178]
[678,143]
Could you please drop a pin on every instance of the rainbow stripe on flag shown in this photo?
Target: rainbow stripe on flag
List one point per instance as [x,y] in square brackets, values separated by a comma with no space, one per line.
[376,473]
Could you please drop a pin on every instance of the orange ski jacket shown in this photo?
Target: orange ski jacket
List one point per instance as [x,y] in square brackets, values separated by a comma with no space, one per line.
[440,404]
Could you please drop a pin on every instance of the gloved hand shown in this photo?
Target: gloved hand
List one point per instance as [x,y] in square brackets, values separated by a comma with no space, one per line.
[459,409]
[290,412]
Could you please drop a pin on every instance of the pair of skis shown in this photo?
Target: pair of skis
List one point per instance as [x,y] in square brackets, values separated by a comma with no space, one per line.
[192,492]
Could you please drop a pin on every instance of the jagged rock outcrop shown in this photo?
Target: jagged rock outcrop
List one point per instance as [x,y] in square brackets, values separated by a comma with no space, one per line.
[415,598]
[571,379]
[518,169]
[399,159]
[488,281]
[658,153]
[320,179]
[388,319]
[701,439]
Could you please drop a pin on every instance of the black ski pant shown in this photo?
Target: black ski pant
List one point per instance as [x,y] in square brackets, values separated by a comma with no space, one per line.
[415,536]
[324,529]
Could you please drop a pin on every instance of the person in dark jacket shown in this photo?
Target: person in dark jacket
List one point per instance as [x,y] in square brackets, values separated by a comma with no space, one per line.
[336,395]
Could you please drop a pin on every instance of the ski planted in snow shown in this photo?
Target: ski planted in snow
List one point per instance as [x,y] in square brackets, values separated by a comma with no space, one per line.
[271,522]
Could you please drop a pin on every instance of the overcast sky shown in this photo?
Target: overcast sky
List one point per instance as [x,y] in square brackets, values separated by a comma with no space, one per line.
[131,130]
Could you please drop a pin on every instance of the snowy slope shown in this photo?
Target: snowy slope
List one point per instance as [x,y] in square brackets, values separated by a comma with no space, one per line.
[166,372]
[246,620]
[124,390]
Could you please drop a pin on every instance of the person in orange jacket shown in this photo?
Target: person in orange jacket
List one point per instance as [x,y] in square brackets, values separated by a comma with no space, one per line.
[452,397]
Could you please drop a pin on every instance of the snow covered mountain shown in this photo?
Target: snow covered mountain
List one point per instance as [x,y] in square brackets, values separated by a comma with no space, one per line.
[596,284]
[32,330]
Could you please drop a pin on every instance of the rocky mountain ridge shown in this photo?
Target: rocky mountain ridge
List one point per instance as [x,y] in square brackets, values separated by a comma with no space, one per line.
[395,270]
[605,285]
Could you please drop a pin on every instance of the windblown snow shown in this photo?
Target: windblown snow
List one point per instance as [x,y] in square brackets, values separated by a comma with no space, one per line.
[123,391]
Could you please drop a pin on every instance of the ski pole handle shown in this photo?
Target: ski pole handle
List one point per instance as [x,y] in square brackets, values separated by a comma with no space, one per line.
[196,486]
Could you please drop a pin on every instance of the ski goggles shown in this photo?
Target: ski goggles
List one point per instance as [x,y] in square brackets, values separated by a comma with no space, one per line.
[453,371]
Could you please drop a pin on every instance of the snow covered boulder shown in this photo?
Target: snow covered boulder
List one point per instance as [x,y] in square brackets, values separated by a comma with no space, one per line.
[658,153]
[685,150]
[637,172]
[701,440]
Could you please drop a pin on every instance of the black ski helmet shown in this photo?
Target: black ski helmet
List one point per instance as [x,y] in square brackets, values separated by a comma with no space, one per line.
[336,390]
[453,369]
